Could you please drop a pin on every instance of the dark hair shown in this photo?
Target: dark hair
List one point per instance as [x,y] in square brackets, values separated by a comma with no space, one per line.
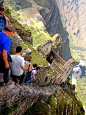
[18,49]
[1,8]
[37,68]
[34,65]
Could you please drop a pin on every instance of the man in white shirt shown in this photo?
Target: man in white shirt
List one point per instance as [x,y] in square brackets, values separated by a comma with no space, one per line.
[17,66]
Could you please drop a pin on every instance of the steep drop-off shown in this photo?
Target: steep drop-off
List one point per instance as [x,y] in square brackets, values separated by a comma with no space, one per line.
[52,99]
[73,18]
[54,25]
[50,13]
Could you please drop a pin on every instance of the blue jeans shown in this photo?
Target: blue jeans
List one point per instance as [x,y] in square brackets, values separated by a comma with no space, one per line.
[6,75]
[29,80]
[4,70]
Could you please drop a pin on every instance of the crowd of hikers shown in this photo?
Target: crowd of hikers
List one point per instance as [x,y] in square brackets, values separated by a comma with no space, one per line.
[14,62]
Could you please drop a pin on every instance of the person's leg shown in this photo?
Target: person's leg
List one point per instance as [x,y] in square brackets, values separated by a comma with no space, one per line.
[30,80]
[23,76]
[2,64]
[28,75]
[14,78]
[6,75]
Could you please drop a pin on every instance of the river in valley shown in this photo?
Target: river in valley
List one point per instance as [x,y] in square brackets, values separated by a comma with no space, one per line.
[78,71]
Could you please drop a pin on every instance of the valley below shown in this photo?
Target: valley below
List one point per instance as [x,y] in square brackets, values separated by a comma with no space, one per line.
[68,20]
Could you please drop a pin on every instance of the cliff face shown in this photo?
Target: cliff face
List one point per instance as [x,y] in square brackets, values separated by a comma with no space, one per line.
[54,25]
[49,17]
[73,18]
[16,99]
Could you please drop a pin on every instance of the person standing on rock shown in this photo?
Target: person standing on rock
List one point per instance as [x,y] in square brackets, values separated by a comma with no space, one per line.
[3,20]
[17,66]
[4,25]
[5,44]
[29,67]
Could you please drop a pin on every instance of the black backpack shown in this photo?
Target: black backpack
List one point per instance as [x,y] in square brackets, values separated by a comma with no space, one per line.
[28,74]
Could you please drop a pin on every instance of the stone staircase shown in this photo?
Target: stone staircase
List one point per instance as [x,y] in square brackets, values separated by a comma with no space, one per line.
[56,63]
[63,71]
[24,95]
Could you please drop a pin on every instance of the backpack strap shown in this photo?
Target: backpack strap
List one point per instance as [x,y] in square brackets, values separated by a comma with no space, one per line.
[32,71]
[29,66]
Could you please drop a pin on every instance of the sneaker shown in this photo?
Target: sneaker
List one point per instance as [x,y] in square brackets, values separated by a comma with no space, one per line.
[4,84]
[9,82]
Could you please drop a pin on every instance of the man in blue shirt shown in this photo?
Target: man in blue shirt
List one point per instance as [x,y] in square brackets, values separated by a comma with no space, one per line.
[5,44]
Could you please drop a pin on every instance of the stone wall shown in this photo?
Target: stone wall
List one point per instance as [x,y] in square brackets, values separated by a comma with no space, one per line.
[57,58]
[42,77]
[45,48]
[56,63]
[16,41]
[66,73]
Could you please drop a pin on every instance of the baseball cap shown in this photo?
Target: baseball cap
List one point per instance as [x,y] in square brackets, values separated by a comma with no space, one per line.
[1,8]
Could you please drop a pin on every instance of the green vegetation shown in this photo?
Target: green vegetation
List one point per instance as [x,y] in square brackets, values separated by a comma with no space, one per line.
[17,4]
[39,35]
[37,109]
[10,109]
[56,105]
[45,3]
[19,29]
[78,54]
[37,58]
[81,90]
[36,28]
[49,72]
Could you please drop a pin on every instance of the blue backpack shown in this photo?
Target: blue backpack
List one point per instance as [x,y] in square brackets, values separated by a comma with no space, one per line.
[2,23]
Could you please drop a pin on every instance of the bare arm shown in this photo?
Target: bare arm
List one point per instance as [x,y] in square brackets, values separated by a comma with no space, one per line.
[6,21]
[5,58]
[23,67]
[33,76]
[30,67]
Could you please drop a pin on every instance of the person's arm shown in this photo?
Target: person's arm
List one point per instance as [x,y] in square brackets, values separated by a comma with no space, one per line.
[22,63]
[5,58]
[33,75]
[30,67]
[6,21]
[23,67]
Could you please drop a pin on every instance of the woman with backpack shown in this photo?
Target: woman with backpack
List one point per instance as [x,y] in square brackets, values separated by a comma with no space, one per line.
[33,73]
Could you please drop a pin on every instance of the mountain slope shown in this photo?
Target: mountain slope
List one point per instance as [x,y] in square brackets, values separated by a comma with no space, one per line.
[73,18]
[49,17]
[16,99]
